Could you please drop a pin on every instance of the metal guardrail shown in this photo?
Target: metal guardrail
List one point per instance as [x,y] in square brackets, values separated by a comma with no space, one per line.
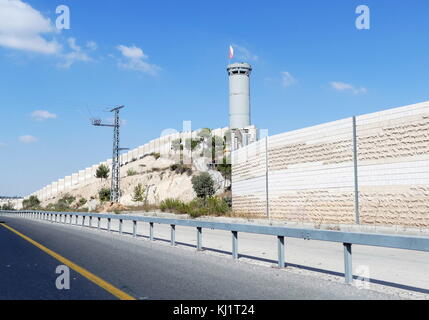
[346,238]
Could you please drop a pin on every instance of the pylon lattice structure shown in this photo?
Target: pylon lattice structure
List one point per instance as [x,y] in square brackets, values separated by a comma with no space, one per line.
[115,190]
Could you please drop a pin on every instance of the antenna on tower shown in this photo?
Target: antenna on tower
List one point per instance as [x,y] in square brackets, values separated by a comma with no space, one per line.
[115,191]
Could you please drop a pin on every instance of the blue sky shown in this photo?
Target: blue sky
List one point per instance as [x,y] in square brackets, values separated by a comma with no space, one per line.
[166,61]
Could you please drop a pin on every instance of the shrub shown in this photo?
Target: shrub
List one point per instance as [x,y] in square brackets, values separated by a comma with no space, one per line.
[131,172]
[179,168]
[217,206]
[81,202]
[64,203]
[228,201]
[102,172]
[7,206]
[104,194]
[31,203]
[171,204]
[203,185]
[139,193]
[156,155]
[197,207]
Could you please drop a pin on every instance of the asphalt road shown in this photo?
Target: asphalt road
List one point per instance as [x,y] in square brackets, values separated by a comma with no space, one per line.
[143,269]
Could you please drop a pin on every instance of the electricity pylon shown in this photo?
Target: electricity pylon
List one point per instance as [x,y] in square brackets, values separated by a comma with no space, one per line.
[115,191]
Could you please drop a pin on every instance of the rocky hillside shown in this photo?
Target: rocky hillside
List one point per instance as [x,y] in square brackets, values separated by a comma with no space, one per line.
[160,177]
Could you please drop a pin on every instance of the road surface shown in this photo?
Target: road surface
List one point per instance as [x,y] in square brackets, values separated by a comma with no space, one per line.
[141,269]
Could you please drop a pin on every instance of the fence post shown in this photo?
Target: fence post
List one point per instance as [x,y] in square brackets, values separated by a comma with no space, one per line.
[134,228]
[173,235]
[348,270]
[355,167]
[90,221]
[83,221]
[120,226]
[151,231]
[109,220]
[281,251]
[234,245]
[267,204]
[199,238]
[99,222]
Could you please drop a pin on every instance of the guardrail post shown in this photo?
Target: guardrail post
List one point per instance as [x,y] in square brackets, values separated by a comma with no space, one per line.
[77,217]
[134,228]
[348,270]
[199,238]
[120,226]
[281,251]
[173,235]
[151,231]
[90,221]
[109,224]
[83,221]
[234,245]
[99,223]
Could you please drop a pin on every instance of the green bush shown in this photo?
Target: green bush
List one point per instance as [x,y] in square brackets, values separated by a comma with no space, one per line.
[104,195]
[8,206]
[217,206]
[139,193]
[31,203]
[81,202]
[197,207]
[64,204]
[171,204]
[131,172]
[203,185]
[156,155]
[179,168]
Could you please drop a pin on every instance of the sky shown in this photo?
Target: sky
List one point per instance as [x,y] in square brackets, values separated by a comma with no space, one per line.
[166,61]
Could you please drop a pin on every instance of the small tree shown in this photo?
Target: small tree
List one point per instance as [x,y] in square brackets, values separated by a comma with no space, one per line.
[139,193]
[31,203]
[102,172]
[203,185]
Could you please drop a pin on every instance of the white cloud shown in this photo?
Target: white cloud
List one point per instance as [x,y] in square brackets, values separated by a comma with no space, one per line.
[27,139]
[73,56]
[342,86]
[287,79]
[244,53]
[22,27]
[40,115]
[133,58]
[92,45]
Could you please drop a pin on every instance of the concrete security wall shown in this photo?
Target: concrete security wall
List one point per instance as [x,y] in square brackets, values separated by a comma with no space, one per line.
[309,174]
[86,176]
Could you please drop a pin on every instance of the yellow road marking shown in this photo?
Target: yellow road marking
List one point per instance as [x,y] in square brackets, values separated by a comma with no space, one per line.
[90,276]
